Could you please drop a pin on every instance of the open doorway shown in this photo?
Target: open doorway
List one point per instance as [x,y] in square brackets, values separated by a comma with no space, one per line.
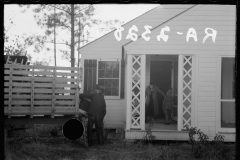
[164,74]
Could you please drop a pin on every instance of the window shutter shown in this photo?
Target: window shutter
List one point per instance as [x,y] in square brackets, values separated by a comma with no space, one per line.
[122,78]
[90,73]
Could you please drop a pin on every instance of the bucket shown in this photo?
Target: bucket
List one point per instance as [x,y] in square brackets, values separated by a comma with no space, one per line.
[73,129]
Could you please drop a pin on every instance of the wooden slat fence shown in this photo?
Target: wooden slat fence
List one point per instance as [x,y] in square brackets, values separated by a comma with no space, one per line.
[41,90]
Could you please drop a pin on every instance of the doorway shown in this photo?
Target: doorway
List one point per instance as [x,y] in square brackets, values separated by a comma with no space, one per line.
[160,75]
[164,74]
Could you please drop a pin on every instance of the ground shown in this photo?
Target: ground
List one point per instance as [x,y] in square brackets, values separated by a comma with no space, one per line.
[60,148]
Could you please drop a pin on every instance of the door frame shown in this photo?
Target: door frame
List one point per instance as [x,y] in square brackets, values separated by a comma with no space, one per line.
[176,106]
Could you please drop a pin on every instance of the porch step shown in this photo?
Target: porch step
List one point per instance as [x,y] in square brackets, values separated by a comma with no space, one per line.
[160,134]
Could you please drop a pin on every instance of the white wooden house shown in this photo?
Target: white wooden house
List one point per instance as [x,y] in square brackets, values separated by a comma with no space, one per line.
[198,66]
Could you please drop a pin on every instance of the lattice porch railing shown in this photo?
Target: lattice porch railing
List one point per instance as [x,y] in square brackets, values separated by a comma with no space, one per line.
[187,90]
[136,84]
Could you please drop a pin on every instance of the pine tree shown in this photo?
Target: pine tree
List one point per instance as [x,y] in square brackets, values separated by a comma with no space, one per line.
[67,18]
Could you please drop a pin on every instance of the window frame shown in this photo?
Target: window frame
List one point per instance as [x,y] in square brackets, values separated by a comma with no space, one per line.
[119,89]
[218,108]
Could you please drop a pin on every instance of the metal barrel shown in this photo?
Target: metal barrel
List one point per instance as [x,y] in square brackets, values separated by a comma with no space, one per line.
[73,129]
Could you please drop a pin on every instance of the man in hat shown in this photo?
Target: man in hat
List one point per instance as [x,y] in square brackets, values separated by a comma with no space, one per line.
[96,113]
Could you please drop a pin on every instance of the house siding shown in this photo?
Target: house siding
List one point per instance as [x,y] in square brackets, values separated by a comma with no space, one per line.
[198,19]
[223,20]
[115,117]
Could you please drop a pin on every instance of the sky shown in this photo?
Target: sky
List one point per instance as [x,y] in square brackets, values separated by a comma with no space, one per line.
[122,12]
[24,23]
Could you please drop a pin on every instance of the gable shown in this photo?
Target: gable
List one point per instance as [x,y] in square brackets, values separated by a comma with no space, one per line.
[108,45]
[218,17]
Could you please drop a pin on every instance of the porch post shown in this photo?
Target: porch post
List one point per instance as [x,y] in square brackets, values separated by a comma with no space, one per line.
[186,90]
[142,99]
[135,95]
[128,91]
[180,87]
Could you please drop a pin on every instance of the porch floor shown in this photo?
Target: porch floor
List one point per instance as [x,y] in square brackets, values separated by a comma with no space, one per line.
[160,131]
[159,124]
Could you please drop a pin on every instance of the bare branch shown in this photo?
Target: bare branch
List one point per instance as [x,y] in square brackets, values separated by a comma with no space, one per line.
[78,30]
[69,10]
[11,23]
[59,8]
[82,41]
[82,9]
[56,42]
[63,25]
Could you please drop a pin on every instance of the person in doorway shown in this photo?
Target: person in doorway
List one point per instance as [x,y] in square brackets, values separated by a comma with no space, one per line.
[96,113]
[152,108]
[168,106]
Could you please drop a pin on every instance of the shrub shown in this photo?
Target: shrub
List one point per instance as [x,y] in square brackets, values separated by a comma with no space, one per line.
[205,148]
[222,151]
[149,137]
[55,130]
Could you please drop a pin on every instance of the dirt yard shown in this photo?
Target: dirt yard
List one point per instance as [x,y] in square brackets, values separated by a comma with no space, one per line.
[46,142]
[59,148]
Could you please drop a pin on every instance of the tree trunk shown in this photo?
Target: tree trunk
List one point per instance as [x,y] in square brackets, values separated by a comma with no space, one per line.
[79,26]
[55,37]
[72,36]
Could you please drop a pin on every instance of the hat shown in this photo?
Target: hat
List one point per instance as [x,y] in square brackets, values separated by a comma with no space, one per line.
[99,87]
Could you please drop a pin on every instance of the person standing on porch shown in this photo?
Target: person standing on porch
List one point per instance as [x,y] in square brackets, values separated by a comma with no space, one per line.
[168,106]
[96,113]
[152,108]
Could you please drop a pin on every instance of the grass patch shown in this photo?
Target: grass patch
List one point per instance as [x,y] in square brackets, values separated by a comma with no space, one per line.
[46,143]
[59,148]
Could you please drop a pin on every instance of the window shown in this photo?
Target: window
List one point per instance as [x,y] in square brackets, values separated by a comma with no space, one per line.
[227,100]
[108,77]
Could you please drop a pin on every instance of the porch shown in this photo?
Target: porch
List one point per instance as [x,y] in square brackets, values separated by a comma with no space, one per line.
[139,75]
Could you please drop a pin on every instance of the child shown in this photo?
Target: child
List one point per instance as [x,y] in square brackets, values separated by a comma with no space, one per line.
[168,106]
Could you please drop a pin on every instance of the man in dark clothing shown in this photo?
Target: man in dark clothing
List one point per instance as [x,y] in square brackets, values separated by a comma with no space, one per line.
[96,113]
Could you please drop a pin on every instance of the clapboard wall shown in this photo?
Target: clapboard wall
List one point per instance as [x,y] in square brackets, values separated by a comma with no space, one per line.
[221,18]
